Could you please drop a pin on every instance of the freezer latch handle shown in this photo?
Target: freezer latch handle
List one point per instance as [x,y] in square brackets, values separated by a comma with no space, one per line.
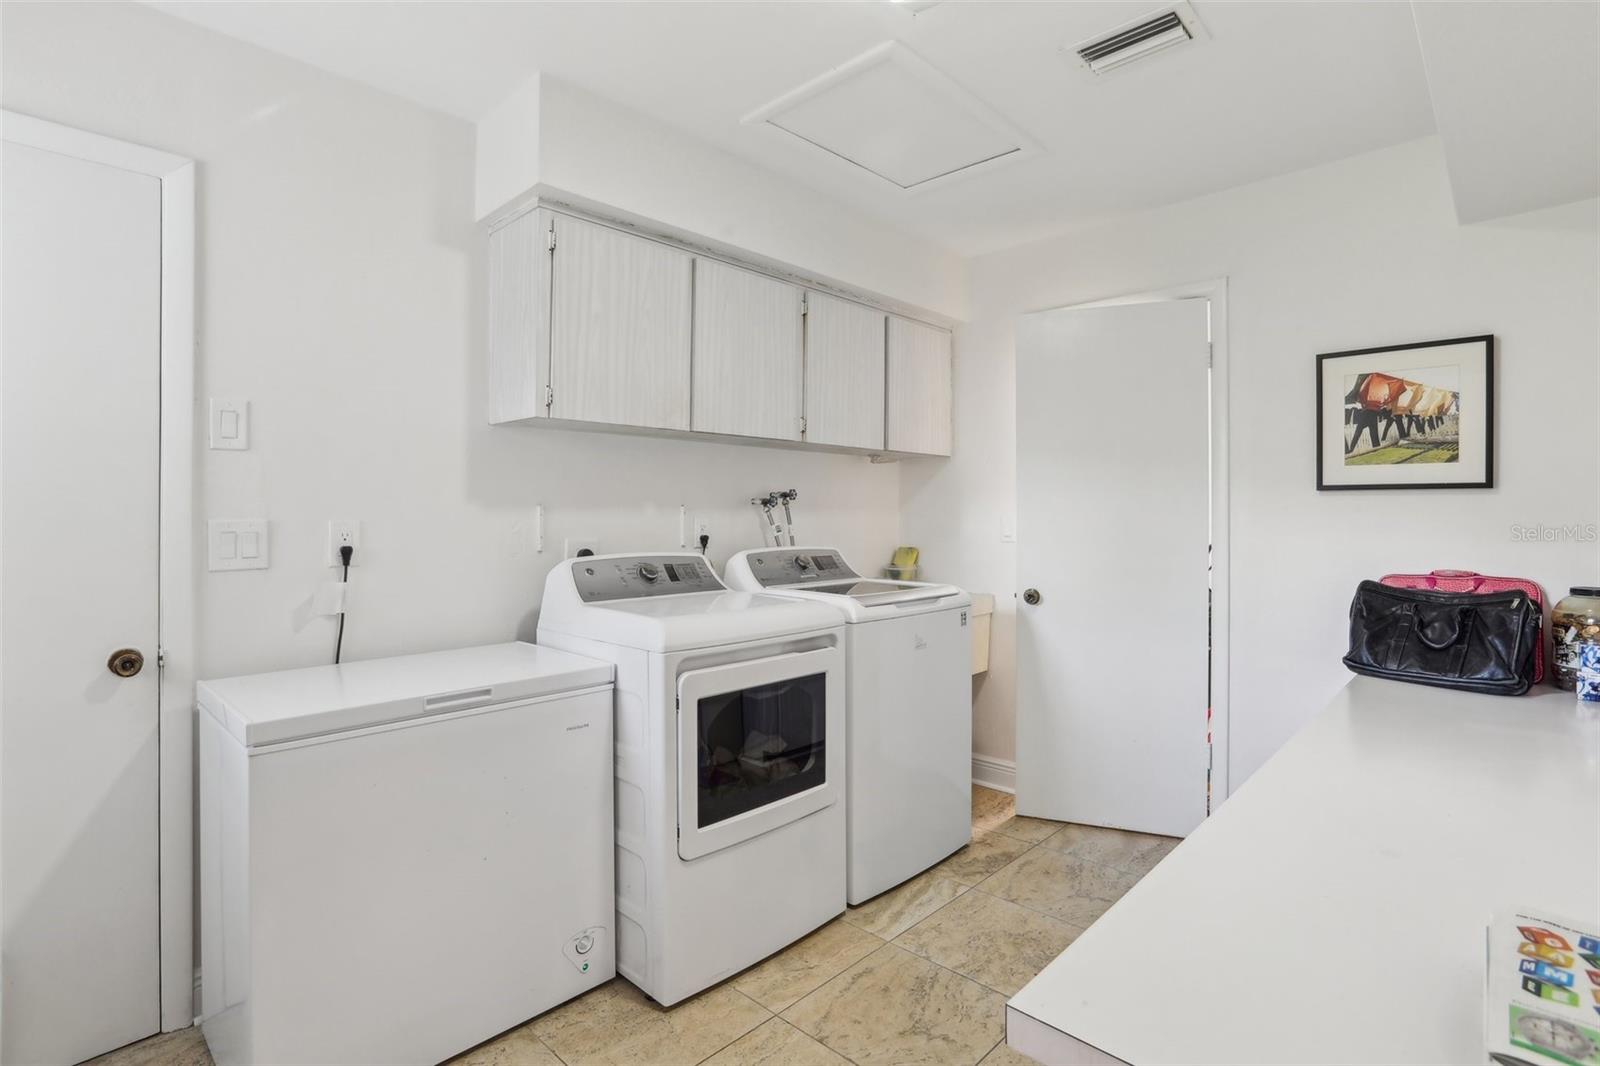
[470,697]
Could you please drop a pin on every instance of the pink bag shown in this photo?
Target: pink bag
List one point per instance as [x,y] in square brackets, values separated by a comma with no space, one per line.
[1483,584]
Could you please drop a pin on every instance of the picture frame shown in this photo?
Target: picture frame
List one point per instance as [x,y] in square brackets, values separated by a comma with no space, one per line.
[1407,416]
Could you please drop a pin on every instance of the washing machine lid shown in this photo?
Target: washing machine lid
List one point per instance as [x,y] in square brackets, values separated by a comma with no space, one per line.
[821,574]
[665,602]
[287,705]
[684,622]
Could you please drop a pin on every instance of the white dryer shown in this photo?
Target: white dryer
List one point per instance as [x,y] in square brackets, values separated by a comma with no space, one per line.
[909,752]
[729,728]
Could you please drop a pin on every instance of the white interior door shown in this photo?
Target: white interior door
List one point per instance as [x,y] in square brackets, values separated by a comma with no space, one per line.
[79,528]
[1113,502]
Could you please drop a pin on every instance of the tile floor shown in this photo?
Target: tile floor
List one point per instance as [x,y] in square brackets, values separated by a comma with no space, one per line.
[918,975]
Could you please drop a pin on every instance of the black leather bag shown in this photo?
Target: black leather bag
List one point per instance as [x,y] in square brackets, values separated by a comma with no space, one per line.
[1451,639]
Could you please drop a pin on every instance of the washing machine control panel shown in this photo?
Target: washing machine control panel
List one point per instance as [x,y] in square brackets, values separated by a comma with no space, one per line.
[796,566]
[638,576]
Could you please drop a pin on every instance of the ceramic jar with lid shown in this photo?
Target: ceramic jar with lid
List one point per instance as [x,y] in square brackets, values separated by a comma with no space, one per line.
[1574,622]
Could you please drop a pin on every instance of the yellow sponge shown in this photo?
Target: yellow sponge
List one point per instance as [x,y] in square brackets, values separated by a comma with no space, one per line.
[905,556]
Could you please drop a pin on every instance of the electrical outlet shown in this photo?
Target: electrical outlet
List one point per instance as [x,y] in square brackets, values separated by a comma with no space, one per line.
[574,545]
[340,534]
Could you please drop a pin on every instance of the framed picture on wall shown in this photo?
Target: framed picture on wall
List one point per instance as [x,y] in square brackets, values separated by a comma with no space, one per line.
[1407,416]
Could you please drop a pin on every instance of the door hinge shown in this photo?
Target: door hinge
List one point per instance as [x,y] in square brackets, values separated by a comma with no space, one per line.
[549,398]
[802,425]
[550,238]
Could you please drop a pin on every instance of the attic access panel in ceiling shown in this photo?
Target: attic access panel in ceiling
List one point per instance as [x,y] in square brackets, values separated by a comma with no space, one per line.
[891,113]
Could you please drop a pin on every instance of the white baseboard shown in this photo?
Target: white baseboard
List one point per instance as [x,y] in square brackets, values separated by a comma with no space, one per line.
[990,772]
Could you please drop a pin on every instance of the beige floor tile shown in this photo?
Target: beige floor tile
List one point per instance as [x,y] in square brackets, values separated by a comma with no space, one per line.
[1150,858]
[990,807]
[1002,1055]
[987,853]
[775,1043]
[996,812]
[806,964]
[903,906]
[516,1048]
[185,1047]
[1110,847]
[618,1024]
[895,1007]
[1029,830]
[993,941]
[1075,891]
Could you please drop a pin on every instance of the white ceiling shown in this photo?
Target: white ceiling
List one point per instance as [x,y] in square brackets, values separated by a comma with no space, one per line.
[1516,94]
[1276,87]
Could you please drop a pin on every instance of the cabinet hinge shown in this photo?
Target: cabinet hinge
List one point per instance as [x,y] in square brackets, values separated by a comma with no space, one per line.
[805,303]
[1210,354]
[802,425]
[161,658]
[550,238]
[549,398]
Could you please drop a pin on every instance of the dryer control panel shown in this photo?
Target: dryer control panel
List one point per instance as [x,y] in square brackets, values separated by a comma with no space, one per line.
[797,566]
[634,577]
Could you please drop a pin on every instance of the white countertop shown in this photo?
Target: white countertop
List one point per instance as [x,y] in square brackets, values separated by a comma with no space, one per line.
[1333,910]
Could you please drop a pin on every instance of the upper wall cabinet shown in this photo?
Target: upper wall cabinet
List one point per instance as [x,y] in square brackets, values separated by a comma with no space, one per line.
[747,353]
[844,373]
[595,324]
[588,324]
[519,317]
[918,409]
[619,328]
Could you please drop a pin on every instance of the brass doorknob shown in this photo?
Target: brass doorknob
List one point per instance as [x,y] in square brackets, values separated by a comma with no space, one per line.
[125,662]
[1030,597]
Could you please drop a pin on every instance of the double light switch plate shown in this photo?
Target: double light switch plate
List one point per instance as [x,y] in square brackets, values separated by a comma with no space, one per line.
[237,544]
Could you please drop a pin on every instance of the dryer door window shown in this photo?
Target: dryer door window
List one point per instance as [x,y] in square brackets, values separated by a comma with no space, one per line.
[760,744]
[753,751]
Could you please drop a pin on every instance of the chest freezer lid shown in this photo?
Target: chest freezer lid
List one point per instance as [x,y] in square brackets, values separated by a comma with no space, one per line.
[292,704]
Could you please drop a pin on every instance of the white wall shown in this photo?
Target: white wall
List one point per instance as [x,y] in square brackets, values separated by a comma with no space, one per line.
[340,287]
[1359,253]
[618,157]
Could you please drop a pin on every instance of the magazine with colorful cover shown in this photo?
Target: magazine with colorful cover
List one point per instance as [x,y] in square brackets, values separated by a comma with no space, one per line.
[1542,1002]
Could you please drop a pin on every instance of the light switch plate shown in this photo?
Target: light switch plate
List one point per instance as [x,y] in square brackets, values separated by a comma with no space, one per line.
[230,425]
[237,544]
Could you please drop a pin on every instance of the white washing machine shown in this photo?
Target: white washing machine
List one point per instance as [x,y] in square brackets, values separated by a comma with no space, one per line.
[909,753]
[729,726]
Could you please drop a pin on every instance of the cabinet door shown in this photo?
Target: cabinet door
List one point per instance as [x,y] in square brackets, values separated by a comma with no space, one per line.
[619,328]
[844,372]
[747,353]
[918,418]
[519,317]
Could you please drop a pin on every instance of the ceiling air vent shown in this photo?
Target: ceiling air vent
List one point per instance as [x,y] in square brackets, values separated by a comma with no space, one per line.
[1144,37]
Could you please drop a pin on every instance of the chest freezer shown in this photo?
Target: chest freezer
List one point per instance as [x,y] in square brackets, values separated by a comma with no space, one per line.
[402,857]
